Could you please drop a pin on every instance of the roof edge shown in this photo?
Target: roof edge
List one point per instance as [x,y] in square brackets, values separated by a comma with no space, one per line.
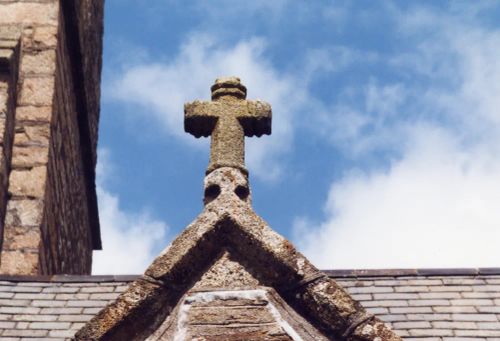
[413,272]
[339,273]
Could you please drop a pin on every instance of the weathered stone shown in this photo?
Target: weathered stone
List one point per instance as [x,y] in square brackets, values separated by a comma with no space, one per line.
[37,91]
[34,113]
[29,183]
[228,119]
[51,158]
[29,13]
[45,36]
[39,62]
[10,32]
[29,156]
[21,238]
[221,315]
[226,273]
[228,221]
[24,212]
[33,135]
[19,263]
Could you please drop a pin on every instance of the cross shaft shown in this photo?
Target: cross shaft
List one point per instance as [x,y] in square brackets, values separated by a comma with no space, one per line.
[228,118]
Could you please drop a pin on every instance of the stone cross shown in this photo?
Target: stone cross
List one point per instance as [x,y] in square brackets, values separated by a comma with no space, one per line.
[228,118]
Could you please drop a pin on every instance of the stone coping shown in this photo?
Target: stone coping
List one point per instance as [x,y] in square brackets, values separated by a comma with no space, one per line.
[345,273]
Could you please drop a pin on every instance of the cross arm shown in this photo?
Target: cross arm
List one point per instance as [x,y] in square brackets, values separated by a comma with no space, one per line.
[257,119]
[199,118]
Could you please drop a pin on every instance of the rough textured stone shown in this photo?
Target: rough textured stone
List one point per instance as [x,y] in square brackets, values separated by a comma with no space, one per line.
[29,156]
[34,114]
[39,62]
[28,183]
[44,37]
[21,238]
[228,222]
[228,119]
[37,91]
[226,273]
[19,262]
[51,160]
[8,89]
[21,12]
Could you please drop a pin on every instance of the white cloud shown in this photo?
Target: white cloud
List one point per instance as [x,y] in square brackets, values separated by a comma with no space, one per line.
[130,240]
[436,205]
[163,88]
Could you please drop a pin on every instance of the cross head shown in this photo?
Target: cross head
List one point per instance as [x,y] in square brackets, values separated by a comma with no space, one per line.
[228,118]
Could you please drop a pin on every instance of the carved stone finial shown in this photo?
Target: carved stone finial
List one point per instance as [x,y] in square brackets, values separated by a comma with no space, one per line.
[228,86]
[228,118]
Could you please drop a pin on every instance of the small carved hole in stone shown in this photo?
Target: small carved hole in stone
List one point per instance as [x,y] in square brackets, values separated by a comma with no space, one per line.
[211,193]
[242,192]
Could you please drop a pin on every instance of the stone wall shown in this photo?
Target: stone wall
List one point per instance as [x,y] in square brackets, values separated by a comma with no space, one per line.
[9,62]
[66,234]
[51,221]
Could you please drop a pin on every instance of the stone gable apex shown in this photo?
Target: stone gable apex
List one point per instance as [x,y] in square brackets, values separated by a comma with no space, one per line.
[229,224]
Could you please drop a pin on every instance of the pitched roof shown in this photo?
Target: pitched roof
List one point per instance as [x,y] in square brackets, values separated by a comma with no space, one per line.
[229,235]
[435,304]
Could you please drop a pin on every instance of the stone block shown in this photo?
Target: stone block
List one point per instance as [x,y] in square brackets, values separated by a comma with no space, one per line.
[22,238]
[25,212]
[45,37]
[30,13]
[39,62]
[29,156]
[10,32]
[32,135]
[37,91]
[29,183]
[19,263]
[34,114]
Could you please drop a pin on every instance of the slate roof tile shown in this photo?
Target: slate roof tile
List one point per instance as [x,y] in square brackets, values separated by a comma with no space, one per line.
[425,308]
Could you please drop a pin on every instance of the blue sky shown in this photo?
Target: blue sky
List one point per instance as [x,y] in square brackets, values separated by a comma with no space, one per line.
[386,126]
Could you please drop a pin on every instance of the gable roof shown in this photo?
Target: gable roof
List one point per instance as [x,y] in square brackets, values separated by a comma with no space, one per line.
[228,223]
[428,304]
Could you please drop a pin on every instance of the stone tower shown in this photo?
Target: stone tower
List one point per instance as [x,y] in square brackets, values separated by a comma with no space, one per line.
[50,65]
